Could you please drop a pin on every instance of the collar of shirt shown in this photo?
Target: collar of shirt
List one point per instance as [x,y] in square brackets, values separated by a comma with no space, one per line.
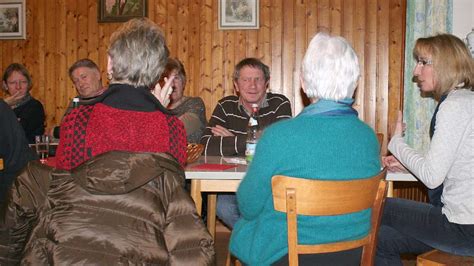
[263,104]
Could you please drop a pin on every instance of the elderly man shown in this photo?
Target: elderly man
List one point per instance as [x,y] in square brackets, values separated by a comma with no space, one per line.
[85,75]
[225,134]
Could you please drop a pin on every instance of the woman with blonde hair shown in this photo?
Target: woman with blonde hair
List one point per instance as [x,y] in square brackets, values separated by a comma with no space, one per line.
[444,67]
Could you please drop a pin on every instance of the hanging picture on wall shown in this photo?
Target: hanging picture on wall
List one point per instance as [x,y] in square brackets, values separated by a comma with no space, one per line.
[238,14]
[12,19]
[121,10]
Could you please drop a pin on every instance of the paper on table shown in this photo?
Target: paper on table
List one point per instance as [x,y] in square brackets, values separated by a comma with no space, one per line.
[212,166]
[236,160]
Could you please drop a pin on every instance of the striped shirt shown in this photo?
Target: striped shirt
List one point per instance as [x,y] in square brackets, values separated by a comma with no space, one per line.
[229,113]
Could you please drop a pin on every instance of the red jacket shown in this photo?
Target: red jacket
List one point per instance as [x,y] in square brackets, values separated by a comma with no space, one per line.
[124,118]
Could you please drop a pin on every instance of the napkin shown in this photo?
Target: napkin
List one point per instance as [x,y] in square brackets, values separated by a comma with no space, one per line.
[213,166]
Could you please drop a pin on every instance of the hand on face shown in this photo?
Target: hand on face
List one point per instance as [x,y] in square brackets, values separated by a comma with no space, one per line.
[221,131]
[14,98]
[17,86]
[163,93]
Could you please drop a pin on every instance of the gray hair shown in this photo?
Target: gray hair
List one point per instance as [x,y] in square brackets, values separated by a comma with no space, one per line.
[85,62]
[330,68]
[138,52]
[253,63]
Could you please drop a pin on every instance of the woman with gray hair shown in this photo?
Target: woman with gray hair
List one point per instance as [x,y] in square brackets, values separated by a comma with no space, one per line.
[133,106]
[313,145]
[123,201]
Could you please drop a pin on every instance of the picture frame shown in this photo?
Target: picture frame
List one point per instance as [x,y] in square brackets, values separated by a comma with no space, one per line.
[238,14]
[12,19]
[121,10]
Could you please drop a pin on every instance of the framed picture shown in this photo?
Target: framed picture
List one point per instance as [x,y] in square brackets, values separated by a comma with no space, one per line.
[238,14]
[121,10]
[12,19]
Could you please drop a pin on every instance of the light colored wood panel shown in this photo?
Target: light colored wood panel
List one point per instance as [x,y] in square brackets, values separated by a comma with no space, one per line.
[324,16]
[383,32]
[277,39]
[264,34]
[359,46]
[194,64]
[300,48]
[171,27]
[396,59]
[205,60]
[288,55]
[229,62]
[61,59]
[348,20]
[336,17]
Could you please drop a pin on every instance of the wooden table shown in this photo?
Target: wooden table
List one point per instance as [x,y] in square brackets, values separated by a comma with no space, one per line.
[216,181]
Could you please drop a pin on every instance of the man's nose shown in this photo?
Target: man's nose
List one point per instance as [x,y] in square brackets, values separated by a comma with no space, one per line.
[417,70]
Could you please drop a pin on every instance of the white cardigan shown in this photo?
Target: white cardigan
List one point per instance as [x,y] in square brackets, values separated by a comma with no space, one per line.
[450,157]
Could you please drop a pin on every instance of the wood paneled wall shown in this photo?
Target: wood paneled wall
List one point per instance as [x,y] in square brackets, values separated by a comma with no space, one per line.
[62,31]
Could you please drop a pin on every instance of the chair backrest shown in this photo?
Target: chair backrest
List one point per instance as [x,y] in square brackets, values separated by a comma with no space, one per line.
[329,197]
[380,138]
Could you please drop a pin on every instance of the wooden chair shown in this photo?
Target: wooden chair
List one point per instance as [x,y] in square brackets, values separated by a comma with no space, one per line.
[439,258]
[328,197]
[380,138]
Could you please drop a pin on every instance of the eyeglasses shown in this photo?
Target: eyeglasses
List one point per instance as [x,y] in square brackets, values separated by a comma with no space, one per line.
[17,82]
[424,62]
[249,80]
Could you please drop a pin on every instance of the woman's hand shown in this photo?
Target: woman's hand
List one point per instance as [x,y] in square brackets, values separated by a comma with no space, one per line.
[163,93]
[14,98]
[392,164]
[399,126]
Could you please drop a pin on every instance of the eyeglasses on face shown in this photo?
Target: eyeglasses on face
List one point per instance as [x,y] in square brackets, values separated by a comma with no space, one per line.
[424,62]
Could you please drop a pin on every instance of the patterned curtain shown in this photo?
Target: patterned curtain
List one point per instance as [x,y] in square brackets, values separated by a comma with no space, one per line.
[424,18]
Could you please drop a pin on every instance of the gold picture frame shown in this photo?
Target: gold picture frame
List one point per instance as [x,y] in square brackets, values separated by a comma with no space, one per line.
[121,10]
[238,14]
[12,19]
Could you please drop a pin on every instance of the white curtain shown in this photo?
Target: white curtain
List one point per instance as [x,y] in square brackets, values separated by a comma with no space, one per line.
[424,18]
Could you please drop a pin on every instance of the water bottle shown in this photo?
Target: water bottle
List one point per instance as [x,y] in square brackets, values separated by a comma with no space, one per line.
[75,102]
[252,134]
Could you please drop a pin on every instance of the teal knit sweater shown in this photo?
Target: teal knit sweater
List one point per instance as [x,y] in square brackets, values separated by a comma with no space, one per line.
[313,147]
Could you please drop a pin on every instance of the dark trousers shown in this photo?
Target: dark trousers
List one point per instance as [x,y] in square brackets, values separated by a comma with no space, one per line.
[342,258]
[416,227]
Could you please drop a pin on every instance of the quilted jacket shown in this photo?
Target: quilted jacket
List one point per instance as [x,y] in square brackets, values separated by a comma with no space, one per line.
[118,208]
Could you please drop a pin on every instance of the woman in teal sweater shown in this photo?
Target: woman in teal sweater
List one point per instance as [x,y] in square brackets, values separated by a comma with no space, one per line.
[325,141]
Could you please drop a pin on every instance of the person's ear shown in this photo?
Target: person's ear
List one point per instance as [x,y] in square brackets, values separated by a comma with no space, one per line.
[303,86]
[5,87]
[236,86]
[109,67]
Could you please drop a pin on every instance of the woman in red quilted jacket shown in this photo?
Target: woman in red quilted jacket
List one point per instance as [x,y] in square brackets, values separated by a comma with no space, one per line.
[128,116]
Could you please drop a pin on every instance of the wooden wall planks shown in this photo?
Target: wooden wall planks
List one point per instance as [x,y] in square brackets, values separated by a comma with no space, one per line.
[60,32]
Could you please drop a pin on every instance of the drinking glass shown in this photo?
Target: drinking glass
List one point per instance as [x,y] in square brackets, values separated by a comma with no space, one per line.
[42,147]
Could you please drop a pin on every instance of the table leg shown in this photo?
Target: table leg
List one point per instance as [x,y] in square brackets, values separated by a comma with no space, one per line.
[211,213]
[390,189]
[196,194]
